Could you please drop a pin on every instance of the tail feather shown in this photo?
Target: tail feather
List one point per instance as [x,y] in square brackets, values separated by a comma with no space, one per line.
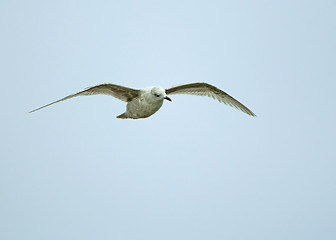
[122,116]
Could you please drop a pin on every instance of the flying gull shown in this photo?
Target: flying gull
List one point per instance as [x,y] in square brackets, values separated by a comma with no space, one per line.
[142,103]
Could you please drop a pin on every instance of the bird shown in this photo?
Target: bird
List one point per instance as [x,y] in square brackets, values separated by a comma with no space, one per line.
[142,103]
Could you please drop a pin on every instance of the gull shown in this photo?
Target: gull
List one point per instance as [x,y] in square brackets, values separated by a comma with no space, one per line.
[142,103]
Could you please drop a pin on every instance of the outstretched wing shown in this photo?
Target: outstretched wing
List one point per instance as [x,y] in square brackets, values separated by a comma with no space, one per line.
[122,93]
[205,89]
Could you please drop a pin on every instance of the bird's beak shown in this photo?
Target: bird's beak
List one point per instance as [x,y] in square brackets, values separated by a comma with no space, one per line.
[167,98]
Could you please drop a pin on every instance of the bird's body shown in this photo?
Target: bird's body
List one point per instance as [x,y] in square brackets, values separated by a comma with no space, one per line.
[142,103]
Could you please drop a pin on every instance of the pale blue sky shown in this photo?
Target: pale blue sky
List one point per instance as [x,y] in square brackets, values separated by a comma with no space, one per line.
[195,170]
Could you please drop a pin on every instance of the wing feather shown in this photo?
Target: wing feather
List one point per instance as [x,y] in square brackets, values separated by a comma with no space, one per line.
[120,92]
[205,89]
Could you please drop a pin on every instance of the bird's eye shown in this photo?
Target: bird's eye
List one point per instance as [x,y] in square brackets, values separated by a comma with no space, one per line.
[157,95]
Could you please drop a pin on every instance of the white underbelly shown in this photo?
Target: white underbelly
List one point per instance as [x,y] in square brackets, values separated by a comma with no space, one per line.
[142,109]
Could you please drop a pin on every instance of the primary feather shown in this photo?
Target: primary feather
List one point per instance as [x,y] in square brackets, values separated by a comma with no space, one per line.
[205,89]
[122,93]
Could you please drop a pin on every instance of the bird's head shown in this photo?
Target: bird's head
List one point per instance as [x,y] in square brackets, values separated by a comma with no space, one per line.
[159,93]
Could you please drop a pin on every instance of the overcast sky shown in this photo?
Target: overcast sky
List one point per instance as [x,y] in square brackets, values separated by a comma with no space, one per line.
[197,169]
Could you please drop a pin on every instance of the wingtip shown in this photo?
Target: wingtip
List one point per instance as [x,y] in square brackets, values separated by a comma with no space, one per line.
[253,115]
[34,110]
